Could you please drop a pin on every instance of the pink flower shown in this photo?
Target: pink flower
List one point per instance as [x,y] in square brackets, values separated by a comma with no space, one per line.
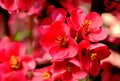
[70,69]
[88,25]
[13,58]
[91,54]
[58,42]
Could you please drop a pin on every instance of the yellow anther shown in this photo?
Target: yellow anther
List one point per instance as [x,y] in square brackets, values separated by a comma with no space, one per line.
[93,56]
[15,62]
[46,75]
[69,68]
[61,41]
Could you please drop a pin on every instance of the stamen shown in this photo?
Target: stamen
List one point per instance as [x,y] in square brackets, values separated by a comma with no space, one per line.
[61,41]
[46,75]
[69,68]
[93,56]
[15,62]
[86,26]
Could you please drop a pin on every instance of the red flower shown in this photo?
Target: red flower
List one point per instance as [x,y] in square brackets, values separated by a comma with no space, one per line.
[13,58]
[90,55]
[70,69]
[87,25]
[58,42]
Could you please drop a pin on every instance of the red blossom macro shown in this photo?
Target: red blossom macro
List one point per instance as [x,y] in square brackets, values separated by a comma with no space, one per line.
[13,60]
[70,69]
[55,40]
[91,54]
[58,42]
[89,26]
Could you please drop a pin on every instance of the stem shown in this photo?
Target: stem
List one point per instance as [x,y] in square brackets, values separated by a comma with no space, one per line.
[5,19]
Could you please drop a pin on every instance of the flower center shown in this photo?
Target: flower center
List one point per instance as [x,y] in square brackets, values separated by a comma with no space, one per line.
[89,53]
[93,56]
[15,62]
[69,68]
[61,41]
[46,75]
[86,26]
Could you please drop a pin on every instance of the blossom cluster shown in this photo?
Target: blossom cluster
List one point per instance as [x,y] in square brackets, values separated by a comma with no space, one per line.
[74,45]
[70,41]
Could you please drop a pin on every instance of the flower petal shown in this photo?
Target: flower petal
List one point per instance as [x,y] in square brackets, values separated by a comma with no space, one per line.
[95,68]
[96,20]
[76,19]
[59,67]
[77,15]
[67,76]
[58,53]
[48,40]
[72,48]
[29,62]
[58,14]
[98,36]
[5,67]
[101,50]
[22,4]
[79,73]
